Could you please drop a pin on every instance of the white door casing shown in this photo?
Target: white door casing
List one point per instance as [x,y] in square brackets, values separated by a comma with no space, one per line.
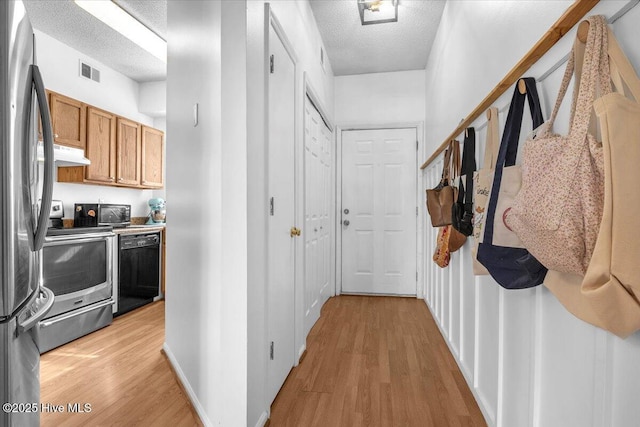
[281,245]
[317,207]
[379,211]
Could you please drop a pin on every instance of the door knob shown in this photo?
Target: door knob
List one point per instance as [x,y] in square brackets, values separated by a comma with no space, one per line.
[346,222]
[295,231]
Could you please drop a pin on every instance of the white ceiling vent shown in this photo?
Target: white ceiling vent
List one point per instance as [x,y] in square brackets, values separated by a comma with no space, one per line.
[89,72]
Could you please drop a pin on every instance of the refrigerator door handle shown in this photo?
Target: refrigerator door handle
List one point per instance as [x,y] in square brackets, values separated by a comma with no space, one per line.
[30,322]
[47,133]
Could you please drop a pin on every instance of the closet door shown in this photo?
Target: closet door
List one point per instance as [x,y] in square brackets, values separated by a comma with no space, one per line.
[317,163]
[281,235]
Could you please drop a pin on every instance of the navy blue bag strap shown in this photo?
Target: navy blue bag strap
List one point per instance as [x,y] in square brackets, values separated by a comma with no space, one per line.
[509,144]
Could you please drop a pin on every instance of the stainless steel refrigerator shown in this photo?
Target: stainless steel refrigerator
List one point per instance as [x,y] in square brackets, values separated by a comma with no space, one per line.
[25,200]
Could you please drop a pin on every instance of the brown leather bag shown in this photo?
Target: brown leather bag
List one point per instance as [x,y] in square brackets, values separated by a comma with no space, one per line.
[456,240]
[441,198]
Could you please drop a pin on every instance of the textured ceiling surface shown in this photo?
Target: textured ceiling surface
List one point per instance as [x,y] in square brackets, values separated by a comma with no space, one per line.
[73,26]
[354,48]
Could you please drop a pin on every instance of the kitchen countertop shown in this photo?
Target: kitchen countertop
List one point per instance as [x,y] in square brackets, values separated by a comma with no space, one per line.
[137,226]
[140,229]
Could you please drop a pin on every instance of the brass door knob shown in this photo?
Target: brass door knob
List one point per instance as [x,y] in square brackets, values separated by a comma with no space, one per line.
[295,231]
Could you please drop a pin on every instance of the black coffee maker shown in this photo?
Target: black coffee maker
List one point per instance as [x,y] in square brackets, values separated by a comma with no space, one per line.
[56,214]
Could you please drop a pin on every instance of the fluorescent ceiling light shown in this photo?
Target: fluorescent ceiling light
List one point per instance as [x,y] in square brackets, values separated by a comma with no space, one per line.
[115,17]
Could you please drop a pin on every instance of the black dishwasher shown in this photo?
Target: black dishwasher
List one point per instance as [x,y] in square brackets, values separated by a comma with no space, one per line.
[139,270]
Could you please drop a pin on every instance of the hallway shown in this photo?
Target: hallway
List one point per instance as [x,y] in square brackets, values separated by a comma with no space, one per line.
[375,361]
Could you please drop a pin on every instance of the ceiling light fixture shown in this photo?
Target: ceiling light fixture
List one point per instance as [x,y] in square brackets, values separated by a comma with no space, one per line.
[116,17]
[378,11]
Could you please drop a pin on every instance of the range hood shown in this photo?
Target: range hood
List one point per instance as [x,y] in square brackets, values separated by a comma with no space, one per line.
[65,156]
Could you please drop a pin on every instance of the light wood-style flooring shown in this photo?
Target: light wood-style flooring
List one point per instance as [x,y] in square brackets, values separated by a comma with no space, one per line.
[370,361]
[120,372]
[375,361]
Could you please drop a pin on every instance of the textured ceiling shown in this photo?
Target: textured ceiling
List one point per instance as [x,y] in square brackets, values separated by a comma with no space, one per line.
[354,48]
[73,26]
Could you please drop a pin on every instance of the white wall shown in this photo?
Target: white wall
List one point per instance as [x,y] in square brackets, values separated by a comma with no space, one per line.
[206,308]
[153,98]
[300,28]
[380,98]
[116,93]
[527,360]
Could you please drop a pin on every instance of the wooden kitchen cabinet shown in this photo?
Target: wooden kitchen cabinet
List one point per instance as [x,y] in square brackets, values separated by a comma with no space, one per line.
[122,152]
[101,146]
[128,152]
[68,117]
[152,157]
[101,150]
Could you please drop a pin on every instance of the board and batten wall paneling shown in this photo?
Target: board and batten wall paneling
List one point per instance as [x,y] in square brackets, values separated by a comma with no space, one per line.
[528,361]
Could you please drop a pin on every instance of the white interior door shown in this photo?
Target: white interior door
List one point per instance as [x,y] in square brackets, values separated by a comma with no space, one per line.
[317,206]
[281,245]
[379,211]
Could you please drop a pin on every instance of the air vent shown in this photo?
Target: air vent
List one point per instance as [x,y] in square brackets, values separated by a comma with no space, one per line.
[85,70]
[89,72]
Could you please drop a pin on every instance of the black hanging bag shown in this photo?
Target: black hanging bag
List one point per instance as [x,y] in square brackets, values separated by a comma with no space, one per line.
[462,209]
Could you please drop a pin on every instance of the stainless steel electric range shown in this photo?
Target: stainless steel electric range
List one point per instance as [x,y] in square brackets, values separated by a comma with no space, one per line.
[77,267]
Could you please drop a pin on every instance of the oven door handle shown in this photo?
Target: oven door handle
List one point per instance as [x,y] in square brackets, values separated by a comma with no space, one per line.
[49,296]
[77,312]
[65,239]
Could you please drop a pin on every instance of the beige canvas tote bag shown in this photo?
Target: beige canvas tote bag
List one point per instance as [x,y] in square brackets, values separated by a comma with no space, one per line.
[482,180]
[558,210]
[608,295]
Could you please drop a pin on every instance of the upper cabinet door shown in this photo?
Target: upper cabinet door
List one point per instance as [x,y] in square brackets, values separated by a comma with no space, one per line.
[128,152]
[69,121]
[101,146]
[152,157]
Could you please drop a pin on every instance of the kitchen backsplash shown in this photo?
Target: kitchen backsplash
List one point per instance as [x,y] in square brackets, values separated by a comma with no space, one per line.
[83,193]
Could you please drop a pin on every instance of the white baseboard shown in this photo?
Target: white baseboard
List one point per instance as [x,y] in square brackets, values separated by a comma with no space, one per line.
[303,348]
[185,384]
[263,419]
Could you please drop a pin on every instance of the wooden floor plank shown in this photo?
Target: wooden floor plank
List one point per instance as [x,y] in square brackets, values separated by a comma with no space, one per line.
[376,361]
[120,371]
